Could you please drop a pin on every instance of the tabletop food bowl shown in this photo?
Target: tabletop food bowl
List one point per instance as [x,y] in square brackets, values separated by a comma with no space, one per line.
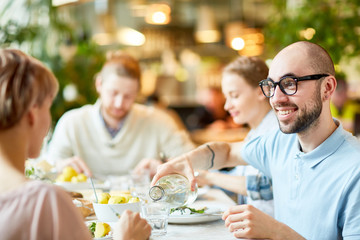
[112,212]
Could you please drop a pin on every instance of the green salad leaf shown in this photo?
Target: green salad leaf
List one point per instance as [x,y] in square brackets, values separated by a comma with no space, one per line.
[29,171]
[192,210]
[92,227]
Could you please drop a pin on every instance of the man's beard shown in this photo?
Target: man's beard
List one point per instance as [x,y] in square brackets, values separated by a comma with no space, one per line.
[308,119]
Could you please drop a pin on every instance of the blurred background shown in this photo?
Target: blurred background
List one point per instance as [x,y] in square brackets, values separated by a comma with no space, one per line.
[182,44]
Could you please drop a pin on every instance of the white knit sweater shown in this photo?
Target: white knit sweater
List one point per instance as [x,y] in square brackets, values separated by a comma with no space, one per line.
[146,132]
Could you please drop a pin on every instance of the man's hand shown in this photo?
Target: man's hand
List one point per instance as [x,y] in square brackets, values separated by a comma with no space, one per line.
[246,221]
[180,165]
[77,163]
[131,227]
[147,164]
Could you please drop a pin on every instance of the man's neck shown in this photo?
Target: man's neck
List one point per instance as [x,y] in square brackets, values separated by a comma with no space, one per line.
[111,122]
[112,125]
[316,134]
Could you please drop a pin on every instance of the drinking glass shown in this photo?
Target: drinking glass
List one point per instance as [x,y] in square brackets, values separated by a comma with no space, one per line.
[140,184]
[157,215]
[120,183]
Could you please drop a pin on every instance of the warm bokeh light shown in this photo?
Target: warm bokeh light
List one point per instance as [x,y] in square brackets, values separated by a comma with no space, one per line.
[238,43]
[159,17]
[126,36]
[247,41]
[130,37]
[254,43]
[308,33]
[206,26]
[158,14]
[208,36]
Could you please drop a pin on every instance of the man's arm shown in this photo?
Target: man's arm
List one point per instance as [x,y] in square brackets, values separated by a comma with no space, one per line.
[213,155]
[236,184]
[254,186]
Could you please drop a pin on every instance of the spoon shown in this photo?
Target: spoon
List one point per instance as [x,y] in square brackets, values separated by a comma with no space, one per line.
[115,212]
[93,187]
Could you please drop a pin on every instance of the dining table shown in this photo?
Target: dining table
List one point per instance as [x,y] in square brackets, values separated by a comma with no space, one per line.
[211,228]
[203,230]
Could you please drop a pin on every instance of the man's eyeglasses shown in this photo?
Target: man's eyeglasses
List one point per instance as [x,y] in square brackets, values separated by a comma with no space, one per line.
[288,84]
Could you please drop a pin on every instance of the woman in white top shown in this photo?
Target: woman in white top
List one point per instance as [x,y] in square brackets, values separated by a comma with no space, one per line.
[33,209]
[246,104]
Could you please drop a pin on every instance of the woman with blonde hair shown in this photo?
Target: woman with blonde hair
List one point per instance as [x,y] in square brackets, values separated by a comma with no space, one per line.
[33,209]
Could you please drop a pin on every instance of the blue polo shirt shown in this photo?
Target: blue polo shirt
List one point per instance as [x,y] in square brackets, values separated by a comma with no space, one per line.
[317,193]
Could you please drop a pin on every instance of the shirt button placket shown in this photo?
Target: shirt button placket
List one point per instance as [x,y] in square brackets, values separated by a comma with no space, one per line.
[296,184]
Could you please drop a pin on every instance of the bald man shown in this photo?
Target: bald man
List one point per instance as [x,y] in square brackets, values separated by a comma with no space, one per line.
[313,161]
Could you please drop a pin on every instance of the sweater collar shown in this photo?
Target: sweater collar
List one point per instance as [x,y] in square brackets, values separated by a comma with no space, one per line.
[112,131]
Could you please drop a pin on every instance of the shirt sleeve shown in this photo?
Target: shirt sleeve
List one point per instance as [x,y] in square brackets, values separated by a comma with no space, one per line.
[255,153]
[349,217]
[60,146]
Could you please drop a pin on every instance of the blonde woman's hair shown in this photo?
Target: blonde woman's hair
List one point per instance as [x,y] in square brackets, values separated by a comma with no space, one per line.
[251,69]
[24,81]
[122,64]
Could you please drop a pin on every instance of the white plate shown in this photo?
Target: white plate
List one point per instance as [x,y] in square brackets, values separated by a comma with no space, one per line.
[196,218]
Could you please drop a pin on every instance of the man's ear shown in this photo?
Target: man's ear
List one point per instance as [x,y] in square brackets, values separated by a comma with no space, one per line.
[98,83]
[329,87]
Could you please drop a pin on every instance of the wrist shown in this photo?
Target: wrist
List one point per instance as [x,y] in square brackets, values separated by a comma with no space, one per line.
[209,176]
[284,232]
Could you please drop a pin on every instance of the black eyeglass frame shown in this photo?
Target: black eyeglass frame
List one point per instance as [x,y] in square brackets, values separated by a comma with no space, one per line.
[296,79]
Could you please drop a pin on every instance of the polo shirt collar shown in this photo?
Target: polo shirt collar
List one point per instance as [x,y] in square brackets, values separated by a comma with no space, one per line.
[325,149]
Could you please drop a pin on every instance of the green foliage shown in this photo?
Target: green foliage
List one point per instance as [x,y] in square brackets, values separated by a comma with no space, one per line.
[80,70]
[336,24]
[14,33]
[43,39]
